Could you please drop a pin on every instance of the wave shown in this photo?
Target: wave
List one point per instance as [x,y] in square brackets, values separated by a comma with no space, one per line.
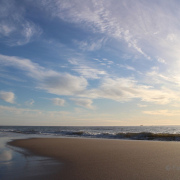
[129,135]
[150,136]
[120,135]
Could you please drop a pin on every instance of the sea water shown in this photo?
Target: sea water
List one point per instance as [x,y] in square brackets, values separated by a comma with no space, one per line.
[17,164]
[165,133]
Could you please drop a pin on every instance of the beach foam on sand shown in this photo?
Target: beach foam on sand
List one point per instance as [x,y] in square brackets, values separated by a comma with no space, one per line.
[108,159]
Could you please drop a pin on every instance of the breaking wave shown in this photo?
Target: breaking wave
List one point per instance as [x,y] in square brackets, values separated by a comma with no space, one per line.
[107,135]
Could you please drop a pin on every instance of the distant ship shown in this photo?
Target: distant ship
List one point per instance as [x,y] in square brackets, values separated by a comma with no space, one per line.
[141,125]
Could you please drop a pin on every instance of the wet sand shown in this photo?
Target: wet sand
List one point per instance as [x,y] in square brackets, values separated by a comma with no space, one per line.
[108,159]
[15,163]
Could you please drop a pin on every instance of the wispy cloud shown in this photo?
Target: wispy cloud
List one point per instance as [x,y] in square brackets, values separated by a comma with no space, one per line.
[169,79]
[91,45]
[141,24]
[129,68]
[85,70]
[99,17]
[15,29]
[5,29]
[29,103]
[24,111]
[7,96]
[29,32]
[58,101]
[161,60]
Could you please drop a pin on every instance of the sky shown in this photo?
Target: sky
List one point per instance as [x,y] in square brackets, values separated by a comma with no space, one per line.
[89,62]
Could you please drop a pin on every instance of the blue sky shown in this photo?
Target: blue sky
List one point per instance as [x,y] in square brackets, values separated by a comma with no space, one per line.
[75,62]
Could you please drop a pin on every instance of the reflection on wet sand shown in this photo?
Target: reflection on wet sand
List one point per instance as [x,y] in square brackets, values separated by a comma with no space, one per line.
[19,164]
[6,155]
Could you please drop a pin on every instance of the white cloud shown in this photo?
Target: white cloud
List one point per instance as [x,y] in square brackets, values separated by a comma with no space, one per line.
[127,67]
[118,89]
[32,69]
[88,72]
[7,96]
[29,103]
[110,62]
[63,84]
[58,101]
[87,103]
[52,81]
[124,89]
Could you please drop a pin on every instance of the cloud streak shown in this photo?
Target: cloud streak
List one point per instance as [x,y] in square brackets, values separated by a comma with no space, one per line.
[91,45]
[87,103]
[163,112]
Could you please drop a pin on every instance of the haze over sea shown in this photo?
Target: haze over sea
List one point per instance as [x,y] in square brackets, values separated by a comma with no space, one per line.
[165,133]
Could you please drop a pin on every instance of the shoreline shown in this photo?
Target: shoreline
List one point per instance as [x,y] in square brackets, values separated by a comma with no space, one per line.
[154,133]
[85,158]
[17,163]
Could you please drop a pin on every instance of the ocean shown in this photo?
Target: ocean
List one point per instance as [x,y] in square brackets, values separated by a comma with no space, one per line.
[17,164]
[164,133]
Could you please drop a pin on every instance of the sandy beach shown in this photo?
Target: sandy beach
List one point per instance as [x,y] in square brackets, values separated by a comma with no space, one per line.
[108,159]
